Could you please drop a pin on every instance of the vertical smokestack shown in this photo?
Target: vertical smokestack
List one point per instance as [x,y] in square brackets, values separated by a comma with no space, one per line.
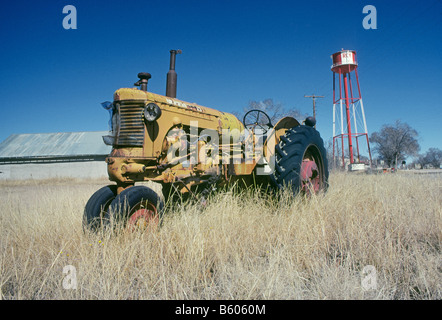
[172,76]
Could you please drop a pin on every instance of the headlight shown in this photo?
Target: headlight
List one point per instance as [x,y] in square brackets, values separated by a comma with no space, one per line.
[109,140]
[152,112]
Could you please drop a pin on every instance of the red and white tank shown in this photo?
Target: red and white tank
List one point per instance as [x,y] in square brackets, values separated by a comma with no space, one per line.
[344,61]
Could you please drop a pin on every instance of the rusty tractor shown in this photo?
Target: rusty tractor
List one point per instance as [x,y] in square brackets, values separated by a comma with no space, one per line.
[190,149]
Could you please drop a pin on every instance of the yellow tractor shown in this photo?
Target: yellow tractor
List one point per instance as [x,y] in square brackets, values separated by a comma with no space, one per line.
[190,149]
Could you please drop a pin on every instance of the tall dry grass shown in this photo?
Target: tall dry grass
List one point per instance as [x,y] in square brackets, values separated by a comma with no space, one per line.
[243,245]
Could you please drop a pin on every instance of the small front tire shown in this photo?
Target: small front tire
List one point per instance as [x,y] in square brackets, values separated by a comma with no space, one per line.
[137,208]
[97,206]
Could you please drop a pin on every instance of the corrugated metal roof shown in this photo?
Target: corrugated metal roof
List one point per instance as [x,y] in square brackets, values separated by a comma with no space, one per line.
[54,144]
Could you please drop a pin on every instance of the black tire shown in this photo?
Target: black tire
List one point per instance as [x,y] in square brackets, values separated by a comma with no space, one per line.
[133,200]
[97,206]
[299,143]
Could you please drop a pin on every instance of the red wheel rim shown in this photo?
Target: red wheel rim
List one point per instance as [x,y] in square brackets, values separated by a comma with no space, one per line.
[144,217]
[310,178]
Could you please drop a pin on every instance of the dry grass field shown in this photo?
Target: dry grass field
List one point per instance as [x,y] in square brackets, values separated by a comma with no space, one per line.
[241,246]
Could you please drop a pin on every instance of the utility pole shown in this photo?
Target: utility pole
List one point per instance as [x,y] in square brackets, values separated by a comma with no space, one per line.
[314,103]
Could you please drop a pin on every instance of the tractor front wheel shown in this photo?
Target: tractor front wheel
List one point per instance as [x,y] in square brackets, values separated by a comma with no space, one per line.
[97,206]
[137,208]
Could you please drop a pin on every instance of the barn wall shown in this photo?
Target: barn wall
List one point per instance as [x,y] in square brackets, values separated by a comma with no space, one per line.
[85,169]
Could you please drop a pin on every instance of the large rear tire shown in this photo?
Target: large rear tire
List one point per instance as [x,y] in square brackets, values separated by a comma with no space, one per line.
[137,208]
[301,161]
[97,206]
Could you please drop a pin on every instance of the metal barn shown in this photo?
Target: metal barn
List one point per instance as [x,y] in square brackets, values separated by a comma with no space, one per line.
[54,155]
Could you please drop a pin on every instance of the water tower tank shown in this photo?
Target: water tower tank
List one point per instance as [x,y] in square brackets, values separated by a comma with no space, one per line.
[344,61]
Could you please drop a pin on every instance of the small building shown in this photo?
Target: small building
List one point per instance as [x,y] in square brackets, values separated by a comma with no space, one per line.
[54,155]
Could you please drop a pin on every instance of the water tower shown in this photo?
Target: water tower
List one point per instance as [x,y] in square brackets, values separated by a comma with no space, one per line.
[344,98]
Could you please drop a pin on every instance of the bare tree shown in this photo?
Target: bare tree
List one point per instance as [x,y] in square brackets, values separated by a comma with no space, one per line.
[420,160]
[275,111]
[394,142]
[434,157]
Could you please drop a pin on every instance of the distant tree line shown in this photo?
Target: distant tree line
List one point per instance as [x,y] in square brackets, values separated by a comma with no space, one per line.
[432,157]
[394,143]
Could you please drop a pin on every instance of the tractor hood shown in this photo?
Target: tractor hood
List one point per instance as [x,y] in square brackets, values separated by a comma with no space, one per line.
[195,111]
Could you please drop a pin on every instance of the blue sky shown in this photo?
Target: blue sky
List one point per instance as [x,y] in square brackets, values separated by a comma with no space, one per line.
[53,80]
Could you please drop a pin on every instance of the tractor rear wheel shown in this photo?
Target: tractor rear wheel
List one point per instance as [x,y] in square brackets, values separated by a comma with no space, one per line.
[301,161]
[137,208]
[97,206]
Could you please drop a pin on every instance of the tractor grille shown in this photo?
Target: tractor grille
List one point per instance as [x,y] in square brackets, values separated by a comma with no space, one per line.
[131,126]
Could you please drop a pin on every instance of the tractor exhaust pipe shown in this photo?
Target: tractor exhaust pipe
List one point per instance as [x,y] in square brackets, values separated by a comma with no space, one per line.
[171,75]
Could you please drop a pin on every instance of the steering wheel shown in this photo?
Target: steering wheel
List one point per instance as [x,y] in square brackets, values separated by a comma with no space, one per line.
[257,119]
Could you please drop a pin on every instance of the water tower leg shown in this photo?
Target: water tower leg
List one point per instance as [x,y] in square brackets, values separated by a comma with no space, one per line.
[347,108]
